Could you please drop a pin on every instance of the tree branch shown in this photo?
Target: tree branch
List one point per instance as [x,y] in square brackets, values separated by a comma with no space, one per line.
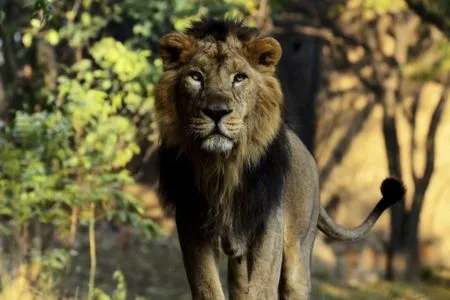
[413,141]
[434,12]
[431,137]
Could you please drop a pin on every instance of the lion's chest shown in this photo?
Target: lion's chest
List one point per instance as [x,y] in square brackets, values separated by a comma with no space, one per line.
[231,212]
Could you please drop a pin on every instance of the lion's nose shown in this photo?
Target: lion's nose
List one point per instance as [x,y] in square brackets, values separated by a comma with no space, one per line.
[217,111]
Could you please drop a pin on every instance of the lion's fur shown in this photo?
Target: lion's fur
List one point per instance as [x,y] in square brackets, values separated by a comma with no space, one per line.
[257,201]
[218,175]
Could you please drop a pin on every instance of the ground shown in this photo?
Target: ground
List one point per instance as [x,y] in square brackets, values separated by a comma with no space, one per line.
[154,271]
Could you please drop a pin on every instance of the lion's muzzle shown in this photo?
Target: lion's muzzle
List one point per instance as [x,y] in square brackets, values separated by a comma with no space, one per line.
[217,140]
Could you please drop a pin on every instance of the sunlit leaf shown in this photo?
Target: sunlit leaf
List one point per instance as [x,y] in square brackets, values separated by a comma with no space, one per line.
[35,23]
[27,39]
[86,19]
[52,37]
[70,15]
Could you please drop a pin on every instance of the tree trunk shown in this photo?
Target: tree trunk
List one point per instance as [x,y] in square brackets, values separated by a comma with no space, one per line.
[299,73]
[392,147]
[412,241]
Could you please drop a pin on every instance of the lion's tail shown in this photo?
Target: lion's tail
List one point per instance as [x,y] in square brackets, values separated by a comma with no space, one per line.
[392,191]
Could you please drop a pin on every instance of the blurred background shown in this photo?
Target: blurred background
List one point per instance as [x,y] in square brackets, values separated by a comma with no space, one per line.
[366,86]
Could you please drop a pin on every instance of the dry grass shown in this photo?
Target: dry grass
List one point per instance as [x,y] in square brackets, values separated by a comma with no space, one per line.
[381,291]
[19,286]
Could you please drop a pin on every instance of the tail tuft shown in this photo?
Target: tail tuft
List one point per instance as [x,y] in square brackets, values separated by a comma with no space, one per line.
[392,189]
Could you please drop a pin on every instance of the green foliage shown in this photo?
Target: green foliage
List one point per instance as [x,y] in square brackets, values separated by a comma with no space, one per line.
[31,150]
[383,6]
[74,153]
[43,7]
[54,262]
[51,161]
[120,292]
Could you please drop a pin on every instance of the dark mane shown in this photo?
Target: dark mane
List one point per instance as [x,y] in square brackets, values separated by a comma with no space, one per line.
[260,192]
[220,29]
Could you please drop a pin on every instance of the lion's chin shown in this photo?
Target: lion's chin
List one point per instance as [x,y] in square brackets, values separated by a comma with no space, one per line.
[217,144]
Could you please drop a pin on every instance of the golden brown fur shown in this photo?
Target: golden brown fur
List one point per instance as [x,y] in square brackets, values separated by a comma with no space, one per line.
[240,181]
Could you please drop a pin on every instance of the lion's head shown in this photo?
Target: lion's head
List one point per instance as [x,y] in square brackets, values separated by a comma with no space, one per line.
[218,92]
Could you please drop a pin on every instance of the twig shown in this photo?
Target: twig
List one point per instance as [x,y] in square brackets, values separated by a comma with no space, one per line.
[92,251]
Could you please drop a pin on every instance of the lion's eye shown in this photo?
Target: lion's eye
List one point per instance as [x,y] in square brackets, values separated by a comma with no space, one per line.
[239,77]
[197,76]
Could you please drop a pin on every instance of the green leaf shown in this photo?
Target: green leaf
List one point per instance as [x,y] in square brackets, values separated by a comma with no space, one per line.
[100,295]
[71,15]
[86,19]
[52,37]
[27,40]
[35,23]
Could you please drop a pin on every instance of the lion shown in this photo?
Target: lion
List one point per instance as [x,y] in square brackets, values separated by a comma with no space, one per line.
[236,177]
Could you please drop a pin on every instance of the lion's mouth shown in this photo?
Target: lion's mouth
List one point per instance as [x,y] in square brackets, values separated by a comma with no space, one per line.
[217,142]
[219,132]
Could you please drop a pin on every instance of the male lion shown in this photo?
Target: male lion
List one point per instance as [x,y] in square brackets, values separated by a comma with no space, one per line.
[239,180]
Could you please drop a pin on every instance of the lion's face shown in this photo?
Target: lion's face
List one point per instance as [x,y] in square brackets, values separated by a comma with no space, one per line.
[220,87]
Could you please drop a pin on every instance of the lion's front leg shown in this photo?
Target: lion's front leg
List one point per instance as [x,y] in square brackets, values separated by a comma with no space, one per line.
[238,285]
[256,275]
[200,263]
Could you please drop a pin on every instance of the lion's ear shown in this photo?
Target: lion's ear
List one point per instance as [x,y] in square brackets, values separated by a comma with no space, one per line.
[264,51]
[174,49]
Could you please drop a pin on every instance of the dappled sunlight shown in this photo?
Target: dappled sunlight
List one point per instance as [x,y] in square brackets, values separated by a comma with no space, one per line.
[366,87]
